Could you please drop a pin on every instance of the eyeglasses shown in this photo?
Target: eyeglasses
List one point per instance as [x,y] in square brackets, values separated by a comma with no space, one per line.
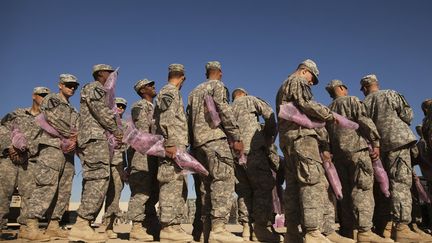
[120,106]
[42,95]
[71,85]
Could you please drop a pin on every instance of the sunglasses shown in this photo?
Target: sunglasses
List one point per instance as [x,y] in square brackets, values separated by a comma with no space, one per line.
[42,95]
[71,85]
[121,106]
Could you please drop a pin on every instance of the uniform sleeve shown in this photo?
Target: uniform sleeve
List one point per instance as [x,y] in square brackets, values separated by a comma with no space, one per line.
[167,112]
[5,139]
[101,112]
[367,127]
[267,113]
[323,139]
[300,94]
[58,115]
[402,108]
[140,117]
[220,97]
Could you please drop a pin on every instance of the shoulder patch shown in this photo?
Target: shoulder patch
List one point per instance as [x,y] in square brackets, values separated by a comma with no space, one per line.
[52,103]
[98,93]
[8,118]
[166,101]
[135,112]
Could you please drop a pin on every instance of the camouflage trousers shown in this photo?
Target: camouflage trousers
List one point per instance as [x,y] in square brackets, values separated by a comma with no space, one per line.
[217,188]
[95,159]
[173,192]
[357,178]
[254,189]
[398,166]
[329,209]
[305,190]
[115,187]
[144,188]
[54,172]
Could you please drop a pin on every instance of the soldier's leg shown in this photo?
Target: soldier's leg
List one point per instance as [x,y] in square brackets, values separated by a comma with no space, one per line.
[151,220]
[345,211]
[64,189]
[244,193]
[8,179]
[26,185]
[197,223]
[112,208]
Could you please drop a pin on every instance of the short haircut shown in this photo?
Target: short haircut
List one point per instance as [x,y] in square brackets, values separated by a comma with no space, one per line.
[175,74]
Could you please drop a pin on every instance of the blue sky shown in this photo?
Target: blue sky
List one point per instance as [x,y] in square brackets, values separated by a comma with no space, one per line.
[258,43]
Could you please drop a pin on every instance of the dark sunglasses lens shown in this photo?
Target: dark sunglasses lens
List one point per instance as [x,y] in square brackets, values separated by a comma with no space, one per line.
[42,95]
[70,86]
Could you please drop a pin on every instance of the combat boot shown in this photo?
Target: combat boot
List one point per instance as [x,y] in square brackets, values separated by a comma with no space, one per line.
[174,233]
[246,233]
[32,231]
[405,235]
[388,230]
[55,232]
[219,234]
[109,230]
[315,237]
[337,238]
[425,236]
[370,237]
[81,231]
[139,233]
[261,233]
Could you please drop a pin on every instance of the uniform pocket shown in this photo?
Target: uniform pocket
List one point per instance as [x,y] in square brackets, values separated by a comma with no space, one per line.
[364,175]
[45,176]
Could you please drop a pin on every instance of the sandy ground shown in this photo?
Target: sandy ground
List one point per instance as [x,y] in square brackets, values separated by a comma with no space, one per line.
[123,233]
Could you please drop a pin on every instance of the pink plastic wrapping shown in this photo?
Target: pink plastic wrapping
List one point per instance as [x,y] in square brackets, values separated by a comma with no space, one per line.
[289,112]
[187,162]
[423,195]
[109,87]
[333,179]
[65,143]
[345,122]
[18,138]
[242,159]
[381,176]
[211,107]
[279,221]
[277,208]
[157,149]
[142,142]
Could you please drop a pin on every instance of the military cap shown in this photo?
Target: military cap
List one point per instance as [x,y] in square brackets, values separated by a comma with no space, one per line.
[102,67]
[213,65]
[426,106]
[141,83]
[68,78]
[41,90]
[311,67]
[120,100]
[333,84]
[175,67]
[367,80]
[238,89]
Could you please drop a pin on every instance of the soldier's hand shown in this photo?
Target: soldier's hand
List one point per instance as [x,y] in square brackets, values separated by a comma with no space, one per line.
[119,140]
[170,152]
[326,156]
[238,147]
[374,153]
[14,154]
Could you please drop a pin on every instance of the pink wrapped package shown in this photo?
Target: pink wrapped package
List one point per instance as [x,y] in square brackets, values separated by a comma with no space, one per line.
[333,179]
[142,142]
[65,143]
[289,112]
[381,176]
[279,221]
[187,162]
[242,159]
[18,138]
[345,122]
[277,208]
[423,195]
[211,107]
[157,149]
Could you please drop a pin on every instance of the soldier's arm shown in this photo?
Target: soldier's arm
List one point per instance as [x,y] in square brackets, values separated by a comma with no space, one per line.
[229,123]
[168,102]
[140,117]
[267,113]
[323,139]
[402,108]
[58,115]
[101,112]
[367,127]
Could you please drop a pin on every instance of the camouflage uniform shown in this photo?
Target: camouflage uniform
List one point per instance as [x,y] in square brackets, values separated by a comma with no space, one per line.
[143,176]
[392,115]
[54,170]
[9,172]
[212,150]
[304,174]
[353,163]
[95,119]
[255,181]
[171,123]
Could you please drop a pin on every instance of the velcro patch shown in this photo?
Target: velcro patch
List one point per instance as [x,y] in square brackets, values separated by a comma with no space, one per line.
[98,93]
[52,103]
[166,101]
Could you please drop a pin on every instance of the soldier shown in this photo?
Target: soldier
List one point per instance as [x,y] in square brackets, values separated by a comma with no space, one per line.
[170,119]
[353,163]
[143,174]
[118,175]
[21,172]
[392,115]
[212,149]
[54,169]
[305,181]
[96,118]
[255,181]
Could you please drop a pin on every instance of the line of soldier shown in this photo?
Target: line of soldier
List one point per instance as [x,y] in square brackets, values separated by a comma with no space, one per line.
[43,172]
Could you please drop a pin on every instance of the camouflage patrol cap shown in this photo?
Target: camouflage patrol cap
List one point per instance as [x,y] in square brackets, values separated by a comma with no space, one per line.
[120,100]
[426,106]
[102,67]
[311,67]
[41,90]
[333,84]
[141,83]
[175,67]
[213,65]
[238,89]
[68,78]
[367,80]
